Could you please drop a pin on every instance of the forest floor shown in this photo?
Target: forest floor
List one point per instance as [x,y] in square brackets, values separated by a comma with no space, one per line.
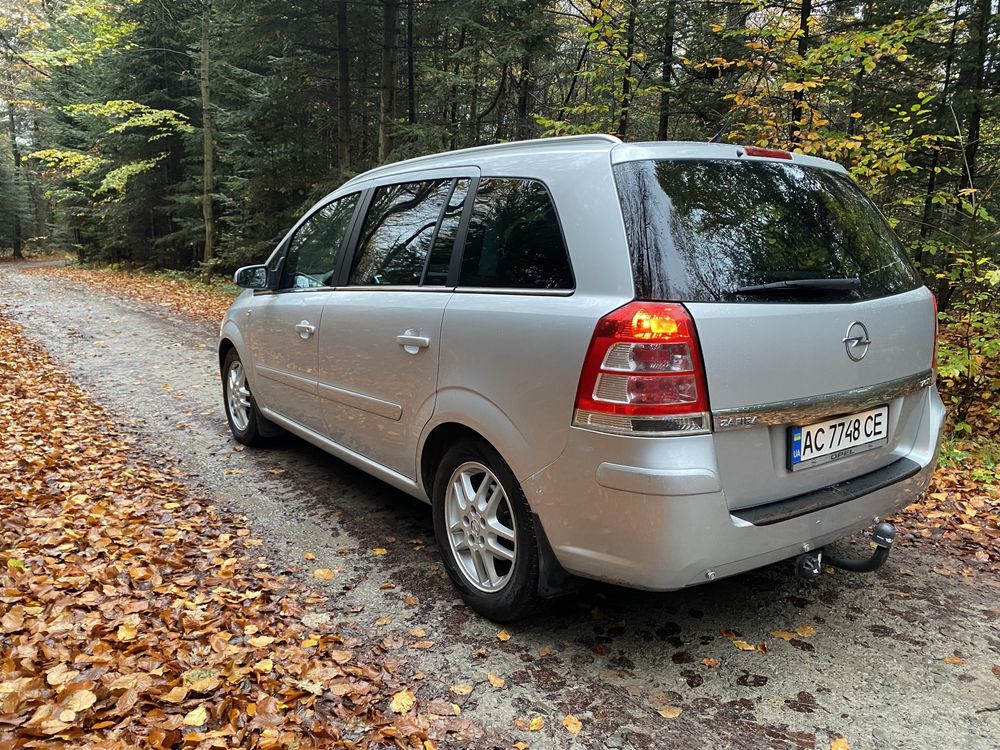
[146,499]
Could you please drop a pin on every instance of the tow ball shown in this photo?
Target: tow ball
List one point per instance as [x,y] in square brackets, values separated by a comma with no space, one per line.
[810,564]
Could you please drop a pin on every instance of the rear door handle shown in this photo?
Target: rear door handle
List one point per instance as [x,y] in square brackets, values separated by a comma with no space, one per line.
[412,342]
[305,329]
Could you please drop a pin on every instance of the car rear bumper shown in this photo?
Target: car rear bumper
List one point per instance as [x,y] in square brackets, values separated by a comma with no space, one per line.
[627,511]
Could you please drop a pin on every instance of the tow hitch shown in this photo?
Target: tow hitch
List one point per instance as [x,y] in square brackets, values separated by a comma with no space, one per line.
[810,564]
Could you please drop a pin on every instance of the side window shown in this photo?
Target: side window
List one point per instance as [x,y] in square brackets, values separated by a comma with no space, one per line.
[397,232]
[514,241]
[316,245]
[440,258]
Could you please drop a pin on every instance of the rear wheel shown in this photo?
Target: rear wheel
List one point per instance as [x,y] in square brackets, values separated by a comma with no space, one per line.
[485,531]
[241,410]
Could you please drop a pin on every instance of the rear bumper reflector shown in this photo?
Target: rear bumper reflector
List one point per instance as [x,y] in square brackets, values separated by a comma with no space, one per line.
[827,497]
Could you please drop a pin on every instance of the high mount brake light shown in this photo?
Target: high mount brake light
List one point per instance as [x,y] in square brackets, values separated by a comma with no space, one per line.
[643,373]
[771,153]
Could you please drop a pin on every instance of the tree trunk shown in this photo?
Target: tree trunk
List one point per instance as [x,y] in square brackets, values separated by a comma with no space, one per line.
[387,82]
[18,239]
[663,129]
[943,98]
[411,79]
[794,129]
[523,94]
[207,137]
[627,77]
[343,93]
[453,116]
[973,82]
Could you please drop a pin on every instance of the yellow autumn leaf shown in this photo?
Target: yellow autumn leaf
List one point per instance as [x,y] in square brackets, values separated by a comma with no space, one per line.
[402,701]
[710,662]
[670,712]
[572,724]
[264,665]
[195,717]
[503,635]
[461,689]
[537,723]
[744,646]
[952,659]
[380,551]
[497,682]
[81,700]
[176,695]
[783,635]
[806,631]
[324,574]
[127,632]
[839,744]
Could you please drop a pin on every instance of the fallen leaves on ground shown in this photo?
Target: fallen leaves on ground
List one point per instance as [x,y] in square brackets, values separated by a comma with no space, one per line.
[960,514]
[180,295]
[572,724]
[670,712]
[135,614]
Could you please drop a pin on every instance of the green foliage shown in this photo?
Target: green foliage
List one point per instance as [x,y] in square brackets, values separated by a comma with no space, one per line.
[111,113]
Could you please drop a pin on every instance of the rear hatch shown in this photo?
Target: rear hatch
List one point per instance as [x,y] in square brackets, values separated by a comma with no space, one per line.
[816,333]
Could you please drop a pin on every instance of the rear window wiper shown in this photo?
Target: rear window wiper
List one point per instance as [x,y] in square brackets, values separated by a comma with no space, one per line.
[800,285]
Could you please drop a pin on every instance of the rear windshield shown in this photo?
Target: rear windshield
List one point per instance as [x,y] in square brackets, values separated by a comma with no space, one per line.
[706,230]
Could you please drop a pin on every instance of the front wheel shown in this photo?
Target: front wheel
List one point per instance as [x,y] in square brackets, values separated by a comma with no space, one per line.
[485,531]
[241,409]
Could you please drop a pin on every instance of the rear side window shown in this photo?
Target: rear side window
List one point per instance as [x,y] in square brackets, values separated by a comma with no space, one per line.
[700,230]
[397,233]
[316,245]
[514,240]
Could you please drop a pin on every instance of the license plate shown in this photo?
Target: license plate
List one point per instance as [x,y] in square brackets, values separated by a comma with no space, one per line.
[837,438]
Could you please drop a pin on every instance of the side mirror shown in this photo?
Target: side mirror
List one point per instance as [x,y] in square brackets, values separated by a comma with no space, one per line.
[251,277]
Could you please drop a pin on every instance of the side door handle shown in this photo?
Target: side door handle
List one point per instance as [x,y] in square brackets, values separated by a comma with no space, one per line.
[305,329]
[412,342]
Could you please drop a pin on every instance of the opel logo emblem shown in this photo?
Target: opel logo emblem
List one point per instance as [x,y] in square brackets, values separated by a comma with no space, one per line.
[856,341]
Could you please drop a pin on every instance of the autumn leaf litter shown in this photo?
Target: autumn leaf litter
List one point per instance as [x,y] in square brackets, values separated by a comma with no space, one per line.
[136,614]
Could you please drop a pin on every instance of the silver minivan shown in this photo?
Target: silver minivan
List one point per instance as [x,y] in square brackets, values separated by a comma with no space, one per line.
[654,364]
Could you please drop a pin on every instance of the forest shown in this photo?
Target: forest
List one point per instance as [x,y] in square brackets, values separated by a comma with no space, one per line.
[189,134]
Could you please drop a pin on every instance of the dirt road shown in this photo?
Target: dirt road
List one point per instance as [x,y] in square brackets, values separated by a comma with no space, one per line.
[873,672]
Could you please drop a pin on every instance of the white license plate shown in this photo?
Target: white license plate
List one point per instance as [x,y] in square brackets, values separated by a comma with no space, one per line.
[838,438]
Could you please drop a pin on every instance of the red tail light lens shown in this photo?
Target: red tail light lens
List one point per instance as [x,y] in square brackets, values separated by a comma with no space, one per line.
[934,355]
[643,373]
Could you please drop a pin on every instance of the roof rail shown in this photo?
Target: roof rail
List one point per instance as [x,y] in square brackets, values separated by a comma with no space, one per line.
[592,138]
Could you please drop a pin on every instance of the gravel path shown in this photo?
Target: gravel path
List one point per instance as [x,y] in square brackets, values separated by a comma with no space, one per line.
[873,672]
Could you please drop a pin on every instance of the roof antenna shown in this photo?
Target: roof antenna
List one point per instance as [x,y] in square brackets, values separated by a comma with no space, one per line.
[725,126]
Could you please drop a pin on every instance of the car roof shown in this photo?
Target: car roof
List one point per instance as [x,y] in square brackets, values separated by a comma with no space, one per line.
[619,152]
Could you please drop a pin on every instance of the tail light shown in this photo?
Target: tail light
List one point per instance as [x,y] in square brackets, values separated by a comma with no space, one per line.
[934,355]
[643,373]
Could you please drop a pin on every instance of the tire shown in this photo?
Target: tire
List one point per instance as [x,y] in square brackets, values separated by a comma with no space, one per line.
[471,547]
[245,423]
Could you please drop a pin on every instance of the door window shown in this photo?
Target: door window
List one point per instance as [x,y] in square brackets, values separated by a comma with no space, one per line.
[397,233]
[316,245]
[514,240]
